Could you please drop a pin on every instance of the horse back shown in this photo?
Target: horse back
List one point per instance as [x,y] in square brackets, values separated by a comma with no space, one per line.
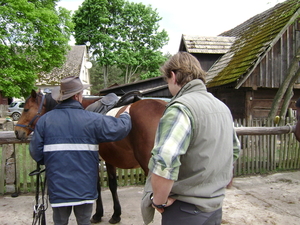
[135,149]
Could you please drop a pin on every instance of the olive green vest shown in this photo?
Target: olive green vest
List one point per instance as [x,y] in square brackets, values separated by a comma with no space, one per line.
[206,168]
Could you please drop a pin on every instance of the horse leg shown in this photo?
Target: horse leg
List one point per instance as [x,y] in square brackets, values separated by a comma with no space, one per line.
[96,218]
[112,182]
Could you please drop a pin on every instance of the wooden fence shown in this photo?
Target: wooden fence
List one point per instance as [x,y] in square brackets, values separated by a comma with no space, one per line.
[24,164]
[275,150]
[262,153]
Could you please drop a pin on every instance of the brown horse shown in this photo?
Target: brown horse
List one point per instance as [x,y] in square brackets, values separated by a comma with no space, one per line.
[131,152]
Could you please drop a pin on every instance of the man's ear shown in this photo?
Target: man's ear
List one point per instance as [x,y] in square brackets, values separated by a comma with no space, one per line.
[173,77]
[75,97]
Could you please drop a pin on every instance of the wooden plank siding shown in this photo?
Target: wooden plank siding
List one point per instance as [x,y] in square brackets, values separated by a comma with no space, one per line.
[206,49]
[207,61]
[248,103]
[234,99]
[273,68]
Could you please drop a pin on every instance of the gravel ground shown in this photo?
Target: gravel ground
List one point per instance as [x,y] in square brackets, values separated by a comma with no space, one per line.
[269,199]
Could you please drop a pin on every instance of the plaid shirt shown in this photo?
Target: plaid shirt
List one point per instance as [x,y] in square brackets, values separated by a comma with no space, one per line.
[172,140]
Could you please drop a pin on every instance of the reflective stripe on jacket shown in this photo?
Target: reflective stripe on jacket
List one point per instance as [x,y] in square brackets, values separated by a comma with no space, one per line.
[66,141]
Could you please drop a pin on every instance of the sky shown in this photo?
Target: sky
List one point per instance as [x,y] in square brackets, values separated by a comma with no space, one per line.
[196,17]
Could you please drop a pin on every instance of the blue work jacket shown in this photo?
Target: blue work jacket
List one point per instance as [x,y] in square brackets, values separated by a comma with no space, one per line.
[66,140]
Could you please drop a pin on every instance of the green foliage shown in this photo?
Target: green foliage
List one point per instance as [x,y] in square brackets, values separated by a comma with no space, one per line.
[123,34]
[96,77]
[33,38]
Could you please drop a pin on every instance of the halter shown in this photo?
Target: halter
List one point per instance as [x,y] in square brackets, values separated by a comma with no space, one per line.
[35,117]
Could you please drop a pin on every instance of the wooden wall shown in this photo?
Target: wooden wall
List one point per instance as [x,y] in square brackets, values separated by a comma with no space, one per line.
[207,60]
[274,65]
[245,102]
[234,99]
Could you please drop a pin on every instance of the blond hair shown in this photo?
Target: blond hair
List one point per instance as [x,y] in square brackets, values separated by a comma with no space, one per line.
[185,66]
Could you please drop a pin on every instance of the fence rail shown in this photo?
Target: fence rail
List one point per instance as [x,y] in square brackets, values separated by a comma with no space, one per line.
[264,149]
[267,147]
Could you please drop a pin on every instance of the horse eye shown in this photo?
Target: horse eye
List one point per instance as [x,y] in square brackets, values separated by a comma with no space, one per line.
[26,110]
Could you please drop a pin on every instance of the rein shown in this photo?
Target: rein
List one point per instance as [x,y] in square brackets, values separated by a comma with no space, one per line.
[41,205]
[35,117]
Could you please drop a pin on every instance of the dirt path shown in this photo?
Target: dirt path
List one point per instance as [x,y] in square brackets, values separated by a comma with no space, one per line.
[272,199]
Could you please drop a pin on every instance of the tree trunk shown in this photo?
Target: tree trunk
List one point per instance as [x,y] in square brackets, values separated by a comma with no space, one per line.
[105,75]
[289,94]
[285,85]
[126,76]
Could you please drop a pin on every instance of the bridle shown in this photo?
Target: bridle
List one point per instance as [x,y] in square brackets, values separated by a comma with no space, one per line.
[38,115]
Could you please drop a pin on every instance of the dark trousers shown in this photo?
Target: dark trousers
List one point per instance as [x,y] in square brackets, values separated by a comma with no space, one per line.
[180,213]
[82,213]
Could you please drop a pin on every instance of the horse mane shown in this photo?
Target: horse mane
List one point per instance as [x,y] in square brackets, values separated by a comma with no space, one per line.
[50,102]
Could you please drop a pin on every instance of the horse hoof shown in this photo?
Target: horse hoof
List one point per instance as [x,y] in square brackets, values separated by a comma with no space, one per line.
[114,220]
[95,220]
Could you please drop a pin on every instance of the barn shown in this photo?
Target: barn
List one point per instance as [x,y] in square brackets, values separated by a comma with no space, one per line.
[262,60]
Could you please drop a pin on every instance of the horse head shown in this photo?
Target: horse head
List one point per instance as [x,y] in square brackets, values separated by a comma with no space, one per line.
[35,106]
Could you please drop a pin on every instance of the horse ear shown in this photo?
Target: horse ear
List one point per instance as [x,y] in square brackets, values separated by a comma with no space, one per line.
[33,93]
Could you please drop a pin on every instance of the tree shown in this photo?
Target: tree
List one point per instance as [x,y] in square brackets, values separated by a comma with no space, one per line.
[286,88]
[34,37]
[122,34]
[96,77]
[140,42]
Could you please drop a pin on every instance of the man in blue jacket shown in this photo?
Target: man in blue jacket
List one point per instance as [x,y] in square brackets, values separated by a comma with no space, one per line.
[66,140]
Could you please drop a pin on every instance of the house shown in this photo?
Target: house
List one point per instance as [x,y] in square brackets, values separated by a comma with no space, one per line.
[263,53]
[206,49]
[76,64]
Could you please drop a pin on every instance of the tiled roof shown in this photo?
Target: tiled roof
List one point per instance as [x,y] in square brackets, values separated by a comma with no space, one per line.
[253,38]
[207,45]
[71,67]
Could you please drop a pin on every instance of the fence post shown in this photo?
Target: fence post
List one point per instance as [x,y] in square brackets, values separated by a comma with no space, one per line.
[1,111]
[10,160]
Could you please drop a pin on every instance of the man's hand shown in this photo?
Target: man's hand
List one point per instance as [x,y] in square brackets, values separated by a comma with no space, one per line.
[127,109]
[169,202]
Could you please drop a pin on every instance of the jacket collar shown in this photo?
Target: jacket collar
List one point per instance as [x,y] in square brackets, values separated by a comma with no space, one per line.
[69,103]
[192,86]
